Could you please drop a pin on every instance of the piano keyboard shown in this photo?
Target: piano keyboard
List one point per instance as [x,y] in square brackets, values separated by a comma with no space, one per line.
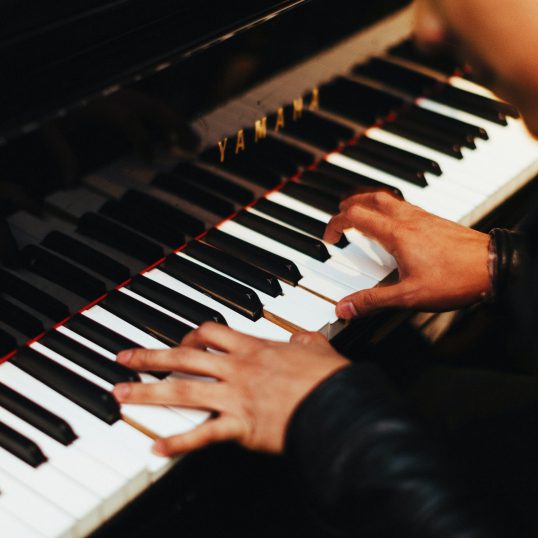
[107,269]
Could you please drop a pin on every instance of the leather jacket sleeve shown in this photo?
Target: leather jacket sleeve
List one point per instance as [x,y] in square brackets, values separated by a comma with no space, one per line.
[370,467]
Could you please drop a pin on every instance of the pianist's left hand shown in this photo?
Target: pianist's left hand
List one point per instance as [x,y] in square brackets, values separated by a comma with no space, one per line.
[259,384]
[442,265]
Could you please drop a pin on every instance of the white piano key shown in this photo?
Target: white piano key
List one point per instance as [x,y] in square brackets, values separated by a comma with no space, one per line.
[260,328]
[74,463]
[33,509]
[341,274]
[351,255]
[12,527]
[312,280]
[424,197]
[380,262]
[45,480]
[158,419]
[110,445]
[297,310]
[454,170]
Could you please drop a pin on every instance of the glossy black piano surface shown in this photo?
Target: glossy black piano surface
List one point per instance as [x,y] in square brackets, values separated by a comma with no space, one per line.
[135,83]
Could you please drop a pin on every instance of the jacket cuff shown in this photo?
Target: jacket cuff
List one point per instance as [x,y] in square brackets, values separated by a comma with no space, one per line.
[508,257]
[351,400]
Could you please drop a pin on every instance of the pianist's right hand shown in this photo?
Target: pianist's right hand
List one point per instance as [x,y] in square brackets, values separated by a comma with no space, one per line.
[442,266]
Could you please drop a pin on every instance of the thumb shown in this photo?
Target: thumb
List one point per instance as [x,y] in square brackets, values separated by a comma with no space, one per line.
[368,301]
[306,338]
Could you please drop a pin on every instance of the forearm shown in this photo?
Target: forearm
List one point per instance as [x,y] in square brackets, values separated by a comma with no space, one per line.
[369,465]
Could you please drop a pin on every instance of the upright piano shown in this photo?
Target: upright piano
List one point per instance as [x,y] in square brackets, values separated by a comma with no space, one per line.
[163,164]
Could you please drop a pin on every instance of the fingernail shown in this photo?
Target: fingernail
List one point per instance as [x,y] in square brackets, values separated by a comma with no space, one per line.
[125,356]
[121,391]
[159,448]
[346,310]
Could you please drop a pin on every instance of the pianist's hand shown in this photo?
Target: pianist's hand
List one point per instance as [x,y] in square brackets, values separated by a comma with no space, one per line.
[442,265]
[259,384]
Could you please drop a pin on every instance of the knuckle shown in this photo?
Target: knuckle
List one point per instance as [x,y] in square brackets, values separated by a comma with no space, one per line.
[369,299]
[381,199]
[205,328]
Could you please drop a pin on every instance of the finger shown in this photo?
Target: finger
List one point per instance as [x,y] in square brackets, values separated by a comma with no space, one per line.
[182,392]
[380,200]
[179,359]
[371,223]
[336,227]
[219,337]
[307,338]
[369,301]
[213,431]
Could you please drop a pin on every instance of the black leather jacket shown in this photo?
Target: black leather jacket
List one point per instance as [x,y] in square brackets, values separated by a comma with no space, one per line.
[370,464]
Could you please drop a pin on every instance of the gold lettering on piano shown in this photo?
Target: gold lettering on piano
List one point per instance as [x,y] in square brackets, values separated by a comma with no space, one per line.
[279,123]
[240,143]
[260,129]
[297,108]
[222,148]
[314,100]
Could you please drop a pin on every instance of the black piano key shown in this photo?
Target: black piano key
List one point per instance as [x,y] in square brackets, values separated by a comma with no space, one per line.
[399,155]
[357,101]
[445,122]
[175,302]
[119,237]
[316,130]
[61,272]
[32,296]
[240,298]
[159,325]
[312,196]
[213,182]
[191,193]
[143,222]
[104,337]
[13,315]
[99,334]
[312,247]
[8,343]
[326,183]
[277,146]
[407,131]
[435,133]
[175,217]
[20,446]
[251,170]
[298,220]
[274,264]
[479,105]
[235,267]
[359,182]
[398,76]
[418,83]
[279,163]
[87,395]
[39,417]
[86,256]
[88,359]
[160,223]
[412,175]
[443,61]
